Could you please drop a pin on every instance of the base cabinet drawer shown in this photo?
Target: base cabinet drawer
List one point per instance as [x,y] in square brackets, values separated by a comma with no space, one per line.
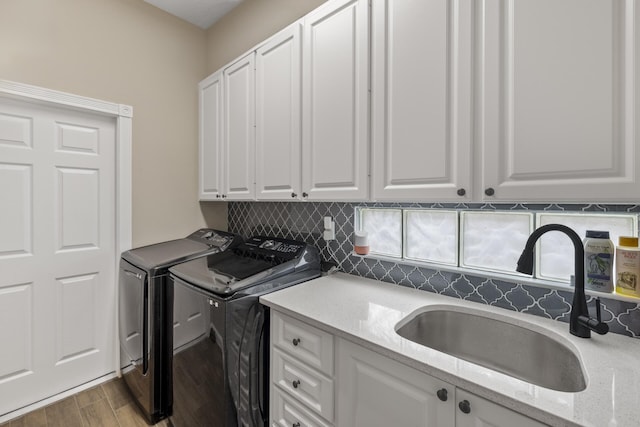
[308,386]
[308,344]
[287,412]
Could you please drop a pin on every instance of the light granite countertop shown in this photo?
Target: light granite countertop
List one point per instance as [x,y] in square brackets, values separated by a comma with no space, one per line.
[367,311]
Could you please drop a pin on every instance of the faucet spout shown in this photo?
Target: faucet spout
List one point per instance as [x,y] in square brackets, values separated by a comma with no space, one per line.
[580,324]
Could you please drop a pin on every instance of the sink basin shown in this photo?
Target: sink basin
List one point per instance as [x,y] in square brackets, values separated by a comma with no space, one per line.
[499,345]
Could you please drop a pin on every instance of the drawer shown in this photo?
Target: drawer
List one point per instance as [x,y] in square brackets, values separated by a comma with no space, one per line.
[310,387]
[306,343]
[287,412]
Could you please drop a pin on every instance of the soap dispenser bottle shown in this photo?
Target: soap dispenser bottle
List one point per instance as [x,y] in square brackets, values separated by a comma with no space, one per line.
[628,266]
[598,261]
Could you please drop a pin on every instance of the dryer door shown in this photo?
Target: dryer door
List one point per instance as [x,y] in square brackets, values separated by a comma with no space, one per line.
[133,315]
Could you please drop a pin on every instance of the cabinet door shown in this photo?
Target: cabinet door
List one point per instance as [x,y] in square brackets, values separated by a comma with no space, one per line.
[558,99]
[421,100]
[210,136]
[239,129]
[278,116]
[483,413]
[335,101]
[374,390]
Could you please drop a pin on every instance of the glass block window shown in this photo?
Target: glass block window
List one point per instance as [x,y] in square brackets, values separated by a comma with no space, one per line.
[431,236]
[494,240]
[555,251]
[384,227]
[484,240]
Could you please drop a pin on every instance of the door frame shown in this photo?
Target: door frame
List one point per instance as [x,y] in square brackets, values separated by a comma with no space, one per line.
[123,114]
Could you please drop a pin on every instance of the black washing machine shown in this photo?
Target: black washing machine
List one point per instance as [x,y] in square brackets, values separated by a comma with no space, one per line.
[221,337]
[144,319]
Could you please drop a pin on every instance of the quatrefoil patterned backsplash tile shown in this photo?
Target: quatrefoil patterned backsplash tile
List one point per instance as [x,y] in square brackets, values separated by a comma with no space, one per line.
[303,221]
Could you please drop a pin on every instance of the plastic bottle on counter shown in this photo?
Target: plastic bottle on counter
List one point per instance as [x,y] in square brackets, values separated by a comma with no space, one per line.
[361,242]
[598,261]
[628,266]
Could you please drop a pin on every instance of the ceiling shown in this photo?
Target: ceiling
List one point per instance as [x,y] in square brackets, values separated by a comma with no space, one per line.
[202,13]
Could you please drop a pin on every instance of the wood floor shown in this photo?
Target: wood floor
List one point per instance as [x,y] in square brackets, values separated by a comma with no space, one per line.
[106,405]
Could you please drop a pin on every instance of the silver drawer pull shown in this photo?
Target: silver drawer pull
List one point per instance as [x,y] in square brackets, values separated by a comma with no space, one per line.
[296,383]
[296,341]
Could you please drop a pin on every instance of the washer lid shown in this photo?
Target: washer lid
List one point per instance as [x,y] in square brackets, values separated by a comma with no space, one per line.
[257,261]
[160,256]
[165,254]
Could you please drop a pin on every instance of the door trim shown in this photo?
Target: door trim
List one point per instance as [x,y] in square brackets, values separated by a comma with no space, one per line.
[123,115]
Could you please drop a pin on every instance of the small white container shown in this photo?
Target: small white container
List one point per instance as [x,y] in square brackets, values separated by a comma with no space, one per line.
[361,242]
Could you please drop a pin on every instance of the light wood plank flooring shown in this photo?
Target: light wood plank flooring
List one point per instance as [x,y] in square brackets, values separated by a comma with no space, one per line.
[106,405]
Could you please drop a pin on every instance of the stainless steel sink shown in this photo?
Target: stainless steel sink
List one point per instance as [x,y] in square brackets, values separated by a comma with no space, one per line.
[495,344]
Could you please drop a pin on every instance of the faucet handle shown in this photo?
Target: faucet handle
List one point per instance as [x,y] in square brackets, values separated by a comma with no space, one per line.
[596,325]
[598,311]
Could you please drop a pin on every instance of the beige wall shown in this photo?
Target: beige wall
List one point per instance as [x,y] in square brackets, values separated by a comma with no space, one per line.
[127,52]
[248,24]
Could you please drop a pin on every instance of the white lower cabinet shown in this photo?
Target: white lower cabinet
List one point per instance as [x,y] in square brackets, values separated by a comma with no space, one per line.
[373,390]
[484,413]
[376,391]
[367,390]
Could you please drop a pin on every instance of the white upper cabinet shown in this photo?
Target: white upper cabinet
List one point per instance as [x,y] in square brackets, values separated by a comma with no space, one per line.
[488,100]
[211,134]
[278,116]
[557,100]
[239,129]
[227,133]
[335,109]
[421,100]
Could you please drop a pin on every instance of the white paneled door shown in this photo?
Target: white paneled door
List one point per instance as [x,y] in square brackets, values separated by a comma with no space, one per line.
[57,245]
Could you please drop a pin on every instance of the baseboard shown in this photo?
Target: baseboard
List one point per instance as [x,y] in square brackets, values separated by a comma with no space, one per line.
[52,399]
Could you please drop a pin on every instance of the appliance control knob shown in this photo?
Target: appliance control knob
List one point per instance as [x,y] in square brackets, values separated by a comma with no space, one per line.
[268,244]
[465,406]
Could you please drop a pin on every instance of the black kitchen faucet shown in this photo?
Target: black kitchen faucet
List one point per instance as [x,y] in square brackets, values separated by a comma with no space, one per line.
[580,324]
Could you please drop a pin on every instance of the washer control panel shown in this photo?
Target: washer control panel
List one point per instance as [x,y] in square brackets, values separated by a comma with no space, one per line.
[275,246]
[220,239]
